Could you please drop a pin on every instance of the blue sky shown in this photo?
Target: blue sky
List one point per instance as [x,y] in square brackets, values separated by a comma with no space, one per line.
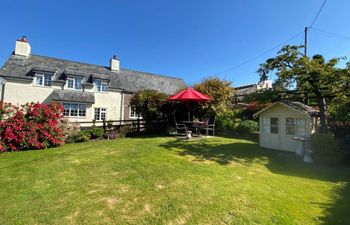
[188,39]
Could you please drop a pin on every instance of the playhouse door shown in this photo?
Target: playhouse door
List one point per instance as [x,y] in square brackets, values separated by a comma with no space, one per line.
[270,132]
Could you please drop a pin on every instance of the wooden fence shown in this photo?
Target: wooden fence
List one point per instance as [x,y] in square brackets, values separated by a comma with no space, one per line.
[135,126]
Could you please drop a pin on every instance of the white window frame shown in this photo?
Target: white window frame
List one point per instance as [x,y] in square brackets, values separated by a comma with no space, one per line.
[79,105]
[44,78]
[70,79]
[100,113]
[296,126]
[133,114]
[99,88]
[74,80]
[266,126]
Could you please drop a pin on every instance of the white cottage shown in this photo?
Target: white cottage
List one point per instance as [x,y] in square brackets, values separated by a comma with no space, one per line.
[281,122]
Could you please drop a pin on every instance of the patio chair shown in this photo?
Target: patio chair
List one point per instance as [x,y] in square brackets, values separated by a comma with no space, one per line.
[209,126]
[179,127]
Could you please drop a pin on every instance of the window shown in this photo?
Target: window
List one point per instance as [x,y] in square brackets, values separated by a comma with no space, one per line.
[77,84]
[74,110]
[43,80]
[74,83]
[133,114]
[296,126]
[100,113]
[82,110]
[70,83]
[101,86]
[270,125]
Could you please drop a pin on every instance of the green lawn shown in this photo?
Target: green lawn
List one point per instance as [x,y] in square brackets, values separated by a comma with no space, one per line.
[158,180]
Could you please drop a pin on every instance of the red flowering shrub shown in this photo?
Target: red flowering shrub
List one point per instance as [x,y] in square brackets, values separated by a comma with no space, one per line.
[31,126]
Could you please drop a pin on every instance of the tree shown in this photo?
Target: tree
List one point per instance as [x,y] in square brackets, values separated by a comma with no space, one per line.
[263,97]
[310,75]
[339,116]
[219,90]
[339,109]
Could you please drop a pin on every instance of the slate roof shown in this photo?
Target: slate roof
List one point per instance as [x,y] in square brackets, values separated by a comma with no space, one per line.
[73,96]
[312,112]
[124,79]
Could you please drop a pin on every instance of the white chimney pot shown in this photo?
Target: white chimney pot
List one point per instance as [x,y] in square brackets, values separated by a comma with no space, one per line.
[114,63]
[22,47]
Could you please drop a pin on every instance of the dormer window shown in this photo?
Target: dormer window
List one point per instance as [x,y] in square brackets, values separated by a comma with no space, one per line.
[74,83]
[101,86]
[43,80]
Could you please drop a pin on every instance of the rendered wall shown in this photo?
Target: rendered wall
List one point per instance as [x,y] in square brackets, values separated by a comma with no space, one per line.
[24,92]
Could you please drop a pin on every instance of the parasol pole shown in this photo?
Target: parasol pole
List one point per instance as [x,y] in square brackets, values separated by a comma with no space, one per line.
[188,113]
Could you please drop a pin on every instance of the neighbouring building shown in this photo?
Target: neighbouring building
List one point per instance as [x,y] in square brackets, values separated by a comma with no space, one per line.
[282,122]
[86,91]
[242,91]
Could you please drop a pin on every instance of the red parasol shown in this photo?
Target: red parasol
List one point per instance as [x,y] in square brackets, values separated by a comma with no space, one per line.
[190,95]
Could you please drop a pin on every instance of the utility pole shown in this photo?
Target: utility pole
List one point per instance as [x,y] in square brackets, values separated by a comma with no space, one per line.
[305,41]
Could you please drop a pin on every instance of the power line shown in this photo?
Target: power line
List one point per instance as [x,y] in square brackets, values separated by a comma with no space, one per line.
[261,54]
[293,37]
[318,14]
[345,38]
[330,33]
[336,46]
[312,24]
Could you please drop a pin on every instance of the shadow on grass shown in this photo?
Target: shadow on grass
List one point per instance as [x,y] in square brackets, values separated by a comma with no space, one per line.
[338,212]
[248,153]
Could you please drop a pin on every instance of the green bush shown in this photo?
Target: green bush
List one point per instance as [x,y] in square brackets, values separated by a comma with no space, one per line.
[125,130]
[96,132]
[227,120]
[339,108]
[72,138]
[220,91]
[83,136]
[150,104]
[326,149]
[247,127]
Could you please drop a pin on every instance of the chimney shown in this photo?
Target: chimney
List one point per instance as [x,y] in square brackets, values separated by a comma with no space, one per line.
[114,63]
[22,47]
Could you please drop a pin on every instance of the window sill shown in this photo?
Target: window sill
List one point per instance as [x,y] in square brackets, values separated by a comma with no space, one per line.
[73,89]
[39,86]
